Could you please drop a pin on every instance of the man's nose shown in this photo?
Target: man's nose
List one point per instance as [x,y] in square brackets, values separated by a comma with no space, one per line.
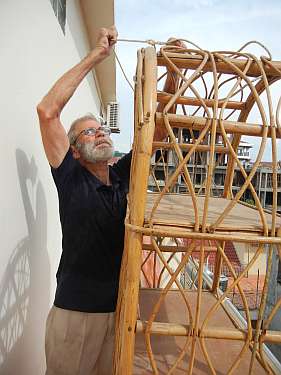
[100,133]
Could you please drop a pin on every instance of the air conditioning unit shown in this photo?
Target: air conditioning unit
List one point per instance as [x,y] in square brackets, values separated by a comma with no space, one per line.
[112,116]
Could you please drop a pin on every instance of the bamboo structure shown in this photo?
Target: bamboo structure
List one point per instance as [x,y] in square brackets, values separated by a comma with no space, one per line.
[217,93]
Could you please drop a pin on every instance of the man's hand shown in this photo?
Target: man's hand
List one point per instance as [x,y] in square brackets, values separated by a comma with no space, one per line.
[105,41]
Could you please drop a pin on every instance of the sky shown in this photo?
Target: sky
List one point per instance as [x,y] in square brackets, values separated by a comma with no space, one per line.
[211,24]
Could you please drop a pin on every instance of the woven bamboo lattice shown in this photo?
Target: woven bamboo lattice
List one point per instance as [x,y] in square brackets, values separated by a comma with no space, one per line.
[170,233]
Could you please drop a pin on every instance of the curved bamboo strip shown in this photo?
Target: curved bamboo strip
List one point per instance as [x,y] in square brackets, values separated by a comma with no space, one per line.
[206,355]
[260,153]
[163,270]
[249,104]
[221,298]
[209,177]
[143,272]
[174,176]
[257,201]
[171,134]
[157,306]
[184,349]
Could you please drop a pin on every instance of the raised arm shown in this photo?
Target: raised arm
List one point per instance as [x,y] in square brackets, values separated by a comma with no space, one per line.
[54,137]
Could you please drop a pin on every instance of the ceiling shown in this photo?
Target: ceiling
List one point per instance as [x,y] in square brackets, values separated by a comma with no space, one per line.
[99,14]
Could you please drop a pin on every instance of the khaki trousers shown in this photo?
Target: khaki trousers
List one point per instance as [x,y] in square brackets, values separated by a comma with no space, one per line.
[79,343]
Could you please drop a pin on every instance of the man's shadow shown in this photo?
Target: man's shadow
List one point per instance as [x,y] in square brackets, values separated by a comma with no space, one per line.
[25,286]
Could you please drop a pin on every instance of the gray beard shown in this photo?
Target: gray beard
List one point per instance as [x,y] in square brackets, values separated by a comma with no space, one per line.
[92,154]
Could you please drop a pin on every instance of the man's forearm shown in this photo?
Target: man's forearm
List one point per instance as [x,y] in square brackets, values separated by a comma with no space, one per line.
[64,88]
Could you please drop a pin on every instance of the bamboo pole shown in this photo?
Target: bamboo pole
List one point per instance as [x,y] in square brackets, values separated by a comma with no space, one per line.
[131,263]
[173,249]
[220,236]
[188,61]
[187,147]
[164,97]
[199,123]
[225,333]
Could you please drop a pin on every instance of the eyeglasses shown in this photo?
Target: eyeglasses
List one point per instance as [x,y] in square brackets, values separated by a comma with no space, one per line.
[92,131]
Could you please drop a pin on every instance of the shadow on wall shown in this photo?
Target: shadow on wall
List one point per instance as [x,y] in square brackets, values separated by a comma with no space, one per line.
[25,287]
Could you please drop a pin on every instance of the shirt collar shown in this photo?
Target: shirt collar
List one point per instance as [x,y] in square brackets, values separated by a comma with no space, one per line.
[114,179]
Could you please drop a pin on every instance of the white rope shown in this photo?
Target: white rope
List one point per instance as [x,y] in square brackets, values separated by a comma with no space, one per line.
[147,41]
[153,42]
[123,71]
[150,42]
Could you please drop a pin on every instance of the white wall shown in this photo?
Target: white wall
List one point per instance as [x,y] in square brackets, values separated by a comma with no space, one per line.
[246,252]
[34,53]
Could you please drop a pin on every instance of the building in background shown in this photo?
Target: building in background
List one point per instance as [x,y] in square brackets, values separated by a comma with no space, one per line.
[163,166]
[40,40]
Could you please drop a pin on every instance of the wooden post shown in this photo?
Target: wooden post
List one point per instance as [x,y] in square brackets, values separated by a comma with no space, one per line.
[217,270]
[131,264]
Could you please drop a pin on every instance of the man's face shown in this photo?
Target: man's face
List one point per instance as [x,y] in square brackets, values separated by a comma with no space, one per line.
[94,147]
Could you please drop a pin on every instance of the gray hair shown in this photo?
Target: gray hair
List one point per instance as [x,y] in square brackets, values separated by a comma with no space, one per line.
[72,133]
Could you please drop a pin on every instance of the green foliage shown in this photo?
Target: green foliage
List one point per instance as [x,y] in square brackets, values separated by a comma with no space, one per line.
[250,201]
[119,154]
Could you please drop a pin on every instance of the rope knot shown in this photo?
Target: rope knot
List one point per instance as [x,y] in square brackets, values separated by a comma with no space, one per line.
[151,42]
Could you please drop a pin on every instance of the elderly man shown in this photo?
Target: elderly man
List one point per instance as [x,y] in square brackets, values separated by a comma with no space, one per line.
[92,204]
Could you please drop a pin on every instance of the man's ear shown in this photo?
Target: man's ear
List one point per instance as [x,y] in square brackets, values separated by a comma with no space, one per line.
[75,152]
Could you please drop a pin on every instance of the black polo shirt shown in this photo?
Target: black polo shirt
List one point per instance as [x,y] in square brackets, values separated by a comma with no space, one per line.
[92,219]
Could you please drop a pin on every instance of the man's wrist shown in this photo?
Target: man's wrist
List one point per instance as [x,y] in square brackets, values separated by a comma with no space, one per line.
[98,54]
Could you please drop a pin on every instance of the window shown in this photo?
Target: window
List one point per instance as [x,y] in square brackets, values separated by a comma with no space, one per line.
[59,7]
[159,174]
[160,156]
[198,179]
